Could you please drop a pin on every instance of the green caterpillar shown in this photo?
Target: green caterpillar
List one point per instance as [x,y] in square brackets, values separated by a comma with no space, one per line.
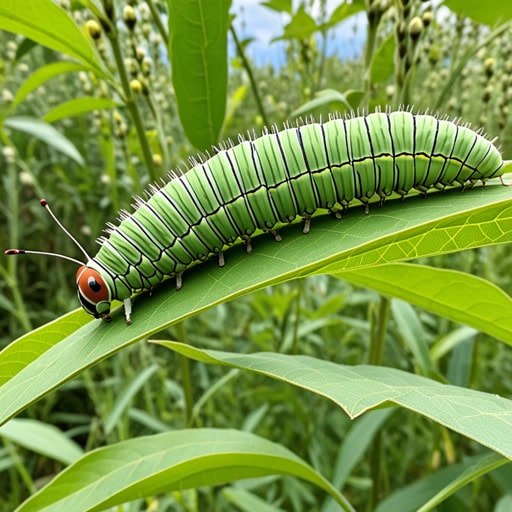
[261,183]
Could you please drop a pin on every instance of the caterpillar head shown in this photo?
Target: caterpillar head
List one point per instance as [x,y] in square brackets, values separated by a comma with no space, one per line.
[93,292]
[94,289]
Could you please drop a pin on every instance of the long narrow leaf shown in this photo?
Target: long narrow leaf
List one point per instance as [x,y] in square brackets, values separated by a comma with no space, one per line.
[483,417]
[42,438]
[198,51]
[160,463]
[42,75]
[77,107]
[440,223]
[482,305]
[46,133]
[58,31]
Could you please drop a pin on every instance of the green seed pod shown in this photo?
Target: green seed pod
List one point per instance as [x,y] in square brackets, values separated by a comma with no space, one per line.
[415,28]
[93,28]
[129,17]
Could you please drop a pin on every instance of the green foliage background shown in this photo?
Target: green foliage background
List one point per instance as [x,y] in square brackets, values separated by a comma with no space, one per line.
[373,384]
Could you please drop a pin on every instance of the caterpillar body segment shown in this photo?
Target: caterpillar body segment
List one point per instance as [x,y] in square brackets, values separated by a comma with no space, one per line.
[266,181]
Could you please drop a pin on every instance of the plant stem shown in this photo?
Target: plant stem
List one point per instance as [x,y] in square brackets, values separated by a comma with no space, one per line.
[373,24]
[378,332]
[130,101]
[248,69]
[375,458]
[181,335]
[158,22]
[10,273]
[296,322]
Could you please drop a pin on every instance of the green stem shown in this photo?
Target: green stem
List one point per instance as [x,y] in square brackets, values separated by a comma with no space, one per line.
[130,101]
[248,69]
[181,335]
[22,470]
[158,22]
[373,24]
[378,332]
[157,114]
[11,272]
[295,342]
[447,89]
[375,458]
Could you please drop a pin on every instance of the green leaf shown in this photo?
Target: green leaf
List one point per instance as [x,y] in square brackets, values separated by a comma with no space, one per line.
[344,11]
[125,397]
[442,483]
[355,443]
[327,97]
[481,467]
[418,227]
[382,67]
[412,333]
[166,462]
[482,305]
[49,25]
[77,107]
[199,61]
[483,417]
[20,353]
[302,26]
[46,133]
[279,5]
[246,501]
[491,12]
[42,438]
[42,75]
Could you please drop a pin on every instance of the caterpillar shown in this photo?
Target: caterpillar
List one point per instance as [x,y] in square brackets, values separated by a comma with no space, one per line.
[263,182]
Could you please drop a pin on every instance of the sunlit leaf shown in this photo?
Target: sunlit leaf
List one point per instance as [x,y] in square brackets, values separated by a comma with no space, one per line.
[41,438]
[77,107]
[47,134]
[483,417]
[42,75]
[58,32]
[199,61]
[440,223]
[177,460]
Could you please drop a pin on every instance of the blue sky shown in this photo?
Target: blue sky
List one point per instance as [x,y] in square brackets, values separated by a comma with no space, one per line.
[263,24]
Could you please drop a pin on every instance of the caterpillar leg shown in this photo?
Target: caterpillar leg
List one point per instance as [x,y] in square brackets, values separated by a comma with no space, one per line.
[248,246]
[307,225]
[179,281]
[221,259]
[275,234]
[127,303]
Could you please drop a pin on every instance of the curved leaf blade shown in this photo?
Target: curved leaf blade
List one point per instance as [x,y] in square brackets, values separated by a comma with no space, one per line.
[22,352]
[45,133]
[483,305]
[438,485]
[487,13]
[199,60]
[441,223]
[165,462]
[485,418]
[58,32]
[42,438]
[42,75]
[77,107]
[481,467]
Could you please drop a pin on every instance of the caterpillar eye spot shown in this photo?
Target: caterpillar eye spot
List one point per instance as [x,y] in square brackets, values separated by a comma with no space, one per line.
[94,285]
